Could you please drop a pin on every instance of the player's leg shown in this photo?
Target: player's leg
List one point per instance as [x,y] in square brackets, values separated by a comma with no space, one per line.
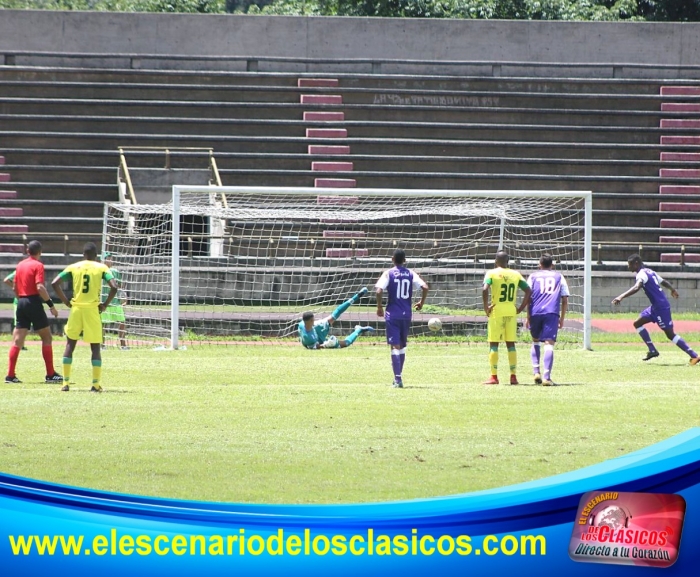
[68,361]
[393,339]
[494,335]
[122,336]
[18,336]
[646,317]
[352,337]
[511,334]
[550,329]
[47,353]
[73,328]
[92,333]
[13,324]
[405,328]
[341,308]
[535,349]
[681,344]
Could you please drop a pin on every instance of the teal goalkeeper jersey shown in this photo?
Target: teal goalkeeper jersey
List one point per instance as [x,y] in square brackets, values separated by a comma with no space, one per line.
[316,336]
[105,288]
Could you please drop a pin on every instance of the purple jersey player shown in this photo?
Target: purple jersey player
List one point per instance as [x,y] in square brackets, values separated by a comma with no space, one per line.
[398,282]
[660,310]
[545,315]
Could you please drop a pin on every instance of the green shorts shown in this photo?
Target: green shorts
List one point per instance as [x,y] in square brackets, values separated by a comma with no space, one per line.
[113,314]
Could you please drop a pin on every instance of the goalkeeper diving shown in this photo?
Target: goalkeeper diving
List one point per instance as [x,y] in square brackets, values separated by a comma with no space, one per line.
[314,334]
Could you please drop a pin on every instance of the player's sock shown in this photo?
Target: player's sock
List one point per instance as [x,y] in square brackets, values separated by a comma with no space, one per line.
[682,345]
[67,364]
[47,353]
[512,359]
[14,355]
[535,356]
[647,339]
[341,308]
[96,372]
[402,357]
[493,360]
[353,336]
[396,363]
[548,361]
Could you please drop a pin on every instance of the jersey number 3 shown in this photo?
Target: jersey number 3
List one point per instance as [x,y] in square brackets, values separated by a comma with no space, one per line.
[507,293]
[86,283]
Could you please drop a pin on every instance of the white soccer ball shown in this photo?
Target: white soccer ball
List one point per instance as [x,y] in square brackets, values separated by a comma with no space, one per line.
[435,324]
[331,343]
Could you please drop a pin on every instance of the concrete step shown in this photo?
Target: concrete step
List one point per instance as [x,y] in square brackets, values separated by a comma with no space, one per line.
[680,107]
[692,140]
[344,234]
[674,189]
[4,177]
[2,160]
[332,166]
[326,133]
[679,206]
[680,239]
[317,82]
[328,149]
[677,257]
[324,116]
[11,248]
[680,156]
[346,252]
[679,223]
[10,212]
[680,91]
[321,99]
[678,123]
[335,183]
[13,228]
[690,173]
[8,194]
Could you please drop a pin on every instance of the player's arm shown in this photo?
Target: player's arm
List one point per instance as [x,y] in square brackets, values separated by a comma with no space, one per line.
[523,286]
[485,295]
[674,293]
[417,281]
[628,293]
[112,290]
[43,293]
[58,289]
[379,288]
[564,293]
[9,280]
[564,308]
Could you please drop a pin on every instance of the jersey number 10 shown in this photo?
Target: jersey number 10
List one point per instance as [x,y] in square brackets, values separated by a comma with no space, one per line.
[403,288]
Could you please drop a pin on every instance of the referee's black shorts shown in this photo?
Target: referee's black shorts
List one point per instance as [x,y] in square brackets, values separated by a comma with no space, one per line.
[31,313]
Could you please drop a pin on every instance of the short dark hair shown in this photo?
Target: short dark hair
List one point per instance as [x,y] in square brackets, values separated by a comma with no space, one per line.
[546,260]
[90,250]
[34,247]
[502,256]
[399,256]
[308,315]
[635,258]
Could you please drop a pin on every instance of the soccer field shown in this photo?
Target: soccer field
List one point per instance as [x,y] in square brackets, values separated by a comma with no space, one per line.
[279,424]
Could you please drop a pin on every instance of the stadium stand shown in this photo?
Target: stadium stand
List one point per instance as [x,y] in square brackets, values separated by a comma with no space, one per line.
[634,143]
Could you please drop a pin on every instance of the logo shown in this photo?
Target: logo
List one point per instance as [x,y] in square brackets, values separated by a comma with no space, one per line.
[642,529]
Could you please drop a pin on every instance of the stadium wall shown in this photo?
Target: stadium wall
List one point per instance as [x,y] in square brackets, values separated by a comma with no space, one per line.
[315,37]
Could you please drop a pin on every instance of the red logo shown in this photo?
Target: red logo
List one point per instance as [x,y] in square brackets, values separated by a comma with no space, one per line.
[628,528]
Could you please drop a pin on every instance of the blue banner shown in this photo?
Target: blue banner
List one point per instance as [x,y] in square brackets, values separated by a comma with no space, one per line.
[522,529]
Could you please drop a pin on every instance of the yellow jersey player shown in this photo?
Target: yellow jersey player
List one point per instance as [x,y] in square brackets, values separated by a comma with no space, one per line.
[85,308]
[502,312]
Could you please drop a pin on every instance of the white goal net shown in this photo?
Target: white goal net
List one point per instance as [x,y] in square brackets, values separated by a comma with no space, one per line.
[249,261]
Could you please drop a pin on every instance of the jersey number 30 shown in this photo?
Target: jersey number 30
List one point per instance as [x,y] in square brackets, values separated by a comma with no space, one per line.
[507,293]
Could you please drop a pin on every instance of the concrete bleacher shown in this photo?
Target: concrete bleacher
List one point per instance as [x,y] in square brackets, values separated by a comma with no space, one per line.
[634,143]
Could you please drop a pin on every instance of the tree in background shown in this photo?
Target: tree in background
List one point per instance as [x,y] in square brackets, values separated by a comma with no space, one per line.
[612,10]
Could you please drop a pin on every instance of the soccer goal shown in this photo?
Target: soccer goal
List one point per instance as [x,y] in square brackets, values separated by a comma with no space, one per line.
[239,264]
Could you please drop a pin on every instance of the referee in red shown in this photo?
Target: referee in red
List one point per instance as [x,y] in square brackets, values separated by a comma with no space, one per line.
[32,294]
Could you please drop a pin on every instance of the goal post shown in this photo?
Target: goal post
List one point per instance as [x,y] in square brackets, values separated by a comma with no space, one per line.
[230,264]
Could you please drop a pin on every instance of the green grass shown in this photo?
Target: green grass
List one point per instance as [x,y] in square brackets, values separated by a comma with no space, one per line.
[278,424]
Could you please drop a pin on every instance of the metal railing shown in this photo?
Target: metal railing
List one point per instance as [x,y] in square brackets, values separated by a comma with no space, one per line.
[494,68]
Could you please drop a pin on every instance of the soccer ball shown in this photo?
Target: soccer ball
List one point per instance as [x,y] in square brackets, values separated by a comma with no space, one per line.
[331,343]
[435,324]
